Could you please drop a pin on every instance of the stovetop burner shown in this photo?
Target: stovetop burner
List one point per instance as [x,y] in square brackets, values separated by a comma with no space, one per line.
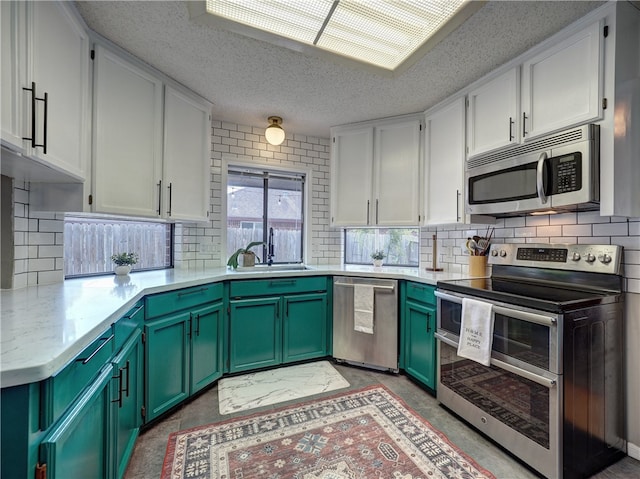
[551,278]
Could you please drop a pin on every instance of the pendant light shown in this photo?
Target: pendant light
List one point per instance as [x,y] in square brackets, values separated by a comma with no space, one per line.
[274,132]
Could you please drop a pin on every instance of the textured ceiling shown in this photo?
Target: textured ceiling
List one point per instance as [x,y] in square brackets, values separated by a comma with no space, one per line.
[248,80]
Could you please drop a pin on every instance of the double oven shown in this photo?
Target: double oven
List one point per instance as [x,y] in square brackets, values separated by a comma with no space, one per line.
[553,394]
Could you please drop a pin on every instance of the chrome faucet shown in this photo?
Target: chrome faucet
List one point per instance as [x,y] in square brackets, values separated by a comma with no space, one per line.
[270,248]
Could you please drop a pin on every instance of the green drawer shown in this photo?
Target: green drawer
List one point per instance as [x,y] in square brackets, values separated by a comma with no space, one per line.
[263,287]
[165,303]
[127,324]
[423,293]
[60,390]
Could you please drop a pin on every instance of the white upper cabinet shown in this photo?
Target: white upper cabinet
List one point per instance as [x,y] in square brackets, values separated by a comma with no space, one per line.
[562,86]
[375,173]
[351,175]
[444,171]
[45,85]
[493,113]
[187,145]
[127,157]
[152,143]
[397,174]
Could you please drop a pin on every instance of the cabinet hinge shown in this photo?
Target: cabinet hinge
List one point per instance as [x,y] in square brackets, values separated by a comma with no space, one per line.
[606,31]
[90,199]
[93,54]
[41,471]
[144,338]
[143,412]
[604,103]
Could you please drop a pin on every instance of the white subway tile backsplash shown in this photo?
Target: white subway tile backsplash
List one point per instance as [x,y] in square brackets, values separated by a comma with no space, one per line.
[576,230]
[611,229]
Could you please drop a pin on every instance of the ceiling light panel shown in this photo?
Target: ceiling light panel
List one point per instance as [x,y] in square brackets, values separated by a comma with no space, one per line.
[381,32]
[297,19]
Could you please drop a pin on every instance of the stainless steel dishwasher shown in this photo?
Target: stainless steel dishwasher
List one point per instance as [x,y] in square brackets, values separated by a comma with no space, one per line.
[378,350]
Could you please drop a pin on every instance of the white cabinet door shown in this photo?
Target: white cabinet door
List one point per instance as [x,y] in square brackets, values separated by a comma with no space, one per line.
[445,155]
[127,137]
[13,43]
[396,199]
[187,149]
[562,86]
[45,46]
[60,69]
[351,176]
[494,114]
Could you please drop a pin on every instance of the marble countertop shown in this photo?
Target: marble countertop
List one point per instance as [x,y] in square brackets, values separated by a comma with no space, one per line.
[44,327]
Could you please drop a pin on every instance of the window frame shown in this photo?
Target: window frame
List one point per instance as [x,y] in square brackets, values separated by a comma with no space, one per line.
[306,200]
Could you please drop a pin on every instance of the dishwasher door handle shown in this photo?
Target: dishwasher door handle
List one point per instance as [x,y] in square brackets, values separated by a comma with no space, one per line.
[390,288]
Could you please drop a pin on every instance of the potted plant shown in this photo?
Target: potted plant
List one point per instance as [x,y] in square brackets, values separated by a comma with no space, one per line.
[377,257]
[123,262]
[244,256]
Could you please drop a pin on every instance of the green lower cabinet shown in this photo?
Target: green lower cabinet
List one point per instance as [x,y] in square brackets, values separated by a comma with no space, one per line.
[183,355]
[78,447]
[419,342]
[206,350]
[305,327]
[255,333]
[167,363]
[127,400]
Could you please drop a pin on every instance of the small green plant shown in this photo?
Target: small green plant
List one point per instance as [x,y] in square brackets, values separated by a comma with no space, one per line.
[233,259]
[378,254]
[122,259]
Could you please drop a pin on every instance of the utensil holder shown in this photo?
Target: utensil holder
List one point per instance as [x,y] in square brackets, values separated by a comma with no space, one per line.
[477,266]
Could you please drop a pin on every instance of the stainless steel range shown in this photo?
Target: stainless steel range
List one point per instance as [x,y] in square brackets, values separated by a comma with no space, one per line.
[553,394]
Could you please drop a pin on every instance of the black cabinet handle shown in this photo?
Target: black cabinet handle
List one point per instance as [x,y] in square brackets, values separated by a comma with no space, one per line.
[376,211]
[119,378]
[190,332]
[34,99]
[128,369]
[524,123]
[169,187]
[511,128]
[159,196]
[197,325]
[92,355]
[368,202]
[186,293]
[428,321]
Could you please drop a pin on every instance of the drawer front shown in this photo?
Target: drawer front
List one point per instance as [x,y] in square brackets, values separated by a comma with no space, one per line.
[127,324]
[167,303]
[423,293]
[263,287]
[61,389]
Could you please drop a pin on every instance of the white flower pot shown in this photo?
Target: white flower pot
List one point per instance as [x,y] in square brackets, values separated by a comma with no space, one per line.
[122,269]
[377,263]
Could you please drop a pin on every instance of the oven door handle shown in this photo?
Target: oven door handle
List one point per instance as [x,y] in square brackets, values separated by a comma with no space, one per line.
[549,383]
[513,313]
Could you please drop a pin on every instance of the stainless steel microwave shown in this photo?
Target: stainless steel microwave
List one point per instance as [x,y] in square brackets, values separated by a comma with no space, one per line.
[560,172]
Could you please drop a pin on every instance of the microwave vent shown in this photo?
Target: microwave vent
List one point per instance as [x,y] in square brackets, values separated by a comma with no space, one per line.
[563,138]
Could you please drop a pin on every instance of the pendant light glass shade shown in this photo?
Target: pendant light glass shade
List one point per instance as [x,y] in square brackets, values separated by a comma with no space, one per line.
[274,132]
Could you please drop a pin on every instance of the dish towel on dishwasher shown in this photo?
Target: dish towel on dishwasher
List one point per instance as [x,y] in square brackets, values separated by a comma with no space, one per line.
[363,308]
[476,331]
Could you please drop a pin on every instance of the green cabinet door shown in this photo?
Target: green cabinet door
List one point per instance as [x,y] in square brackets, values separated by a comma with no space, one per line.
[419,343]
[206,349]
[255,333]
[166,363]
[78,446]
[305,327]
[127,400]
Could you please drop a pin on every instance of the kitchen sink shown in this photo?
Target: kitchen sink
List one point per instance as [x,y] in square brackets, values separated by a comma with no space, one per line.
[272,268]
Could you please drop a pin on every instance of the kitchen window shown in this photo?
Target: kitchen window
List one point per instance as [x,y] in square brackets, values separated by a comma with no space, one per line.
[89,243]
[260,201]
[401,246]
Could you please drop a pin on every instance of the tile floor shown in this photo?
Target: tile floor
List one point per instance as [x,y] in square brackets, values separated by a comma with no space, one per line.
[148,455]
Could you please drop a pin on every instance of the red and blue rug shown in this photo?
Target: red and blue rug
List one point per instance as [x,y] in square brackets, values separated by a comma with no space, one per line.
[366,434]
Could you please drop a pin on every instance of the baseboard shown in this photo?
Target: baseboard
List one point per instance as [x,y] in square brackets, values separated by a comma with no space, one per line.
[633,451]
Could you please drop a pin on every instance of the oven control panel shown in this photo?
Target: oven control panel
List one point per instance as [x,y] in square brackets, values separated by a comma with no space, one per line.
[574,257]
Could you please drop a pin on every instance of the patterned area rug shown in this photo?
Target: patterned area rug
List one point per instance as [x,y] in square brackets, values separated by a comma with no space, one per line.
[364,434]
